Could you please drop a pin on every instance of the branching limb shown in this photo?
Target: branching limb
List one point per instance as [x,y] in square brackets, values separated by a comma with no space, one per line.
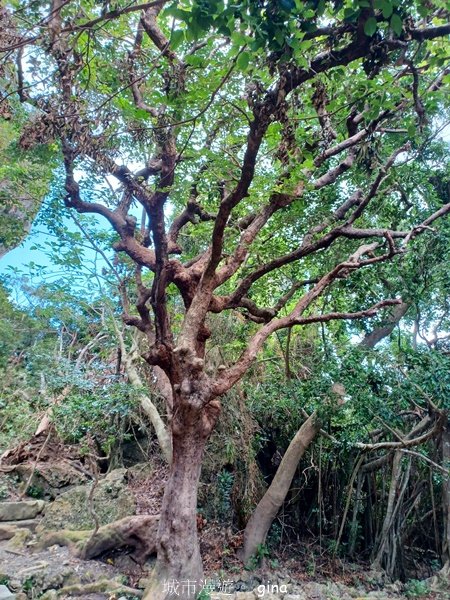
[152,29]
[403,444]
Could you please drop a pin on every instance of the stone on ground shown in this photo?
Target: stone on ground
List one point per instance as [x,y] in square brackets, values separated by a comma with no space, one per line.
[112,500]
[21,511]
[5,594]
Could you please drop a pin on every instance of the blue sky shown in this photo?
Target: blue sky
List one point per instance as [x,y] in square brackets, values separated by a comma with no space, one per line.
[32,259]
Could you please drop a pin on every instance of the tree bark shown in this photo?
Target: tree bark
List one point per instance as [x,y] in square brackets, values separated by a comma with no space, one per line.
[384,545]
[138,532]
[268,507]
[379,333]
[179,562]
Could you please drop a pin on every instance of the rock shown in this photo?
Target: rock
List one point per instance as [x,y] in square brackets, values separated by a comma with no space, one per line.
[315,591]
[7,532]
[245,596]
[394,588]
[338,590]
[50,595]
[141,470]
[21,537]
[8,529]
[295,597]
[5,594]
[111,501]
[8,486]
[119,475]
[27,571]
[30,524]
[48,480]
[375,577]
[143,583]
[15,585]
[21,511]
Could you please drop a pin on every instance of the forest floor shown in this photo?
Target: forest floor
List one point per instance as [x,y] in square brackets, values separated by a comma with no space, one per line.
[30,571]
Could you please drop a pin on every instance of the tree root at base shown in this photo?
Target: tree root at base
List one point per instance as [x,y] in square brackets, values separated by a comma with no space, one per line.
[138,532]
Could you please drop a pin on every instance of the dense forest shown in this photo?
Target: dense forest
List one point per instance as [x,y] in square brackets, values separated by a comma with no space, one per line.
[225,349]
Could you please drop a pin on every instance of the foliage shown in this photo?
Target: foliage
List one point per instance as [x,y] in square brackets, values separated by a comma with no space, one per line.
[416,589]
[24,180]
[225,481]
[262,552]
[97,411]
[48,350]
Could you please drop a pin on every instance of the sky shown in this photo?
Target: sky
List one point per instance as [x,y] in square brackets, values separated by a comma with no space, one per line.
[32,260]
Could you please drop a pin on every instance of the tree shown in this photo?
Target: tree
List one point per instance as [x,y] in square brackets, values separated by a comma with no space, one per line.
[263,144]
[24,179]
[413,282]
[268,507]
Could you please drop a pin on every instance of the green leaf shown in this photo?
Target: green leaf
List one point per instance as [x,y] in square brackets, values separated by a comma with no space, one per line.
[287,5]
[370,26]
[178,13]
[412,130]
[243,61]
[238,38]
[350,14]
[176,38]
[386,9]
[396,24]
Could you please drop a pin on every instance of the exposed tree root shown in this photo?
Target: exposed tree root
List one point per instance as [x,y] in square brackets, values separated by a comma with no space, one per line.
[440,581]
[138,532]
[19,539]
[64,537]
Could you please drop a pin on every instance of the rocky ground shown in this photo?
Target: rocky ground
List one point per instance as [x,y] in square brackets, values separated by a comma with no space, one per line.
[53,573]
[29,574]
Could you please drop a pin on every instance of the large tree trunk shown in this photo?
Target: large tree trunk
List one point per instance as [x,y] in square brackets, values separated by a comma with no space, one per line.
[179,562]
[268,507]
